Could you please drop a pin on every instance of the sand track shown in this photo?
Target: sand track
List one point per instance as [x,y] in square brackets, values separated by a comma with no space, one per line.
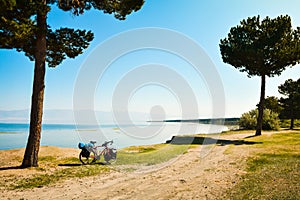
[190,176]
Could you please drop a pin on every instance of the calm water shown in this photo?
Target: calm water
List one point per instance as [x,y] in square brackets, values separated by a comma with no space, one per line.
[14,136]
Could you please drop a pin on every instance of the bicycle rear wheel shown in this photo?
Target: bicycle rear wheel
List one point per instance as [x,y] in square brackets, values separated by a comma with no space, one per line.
[110,155]
[87,159]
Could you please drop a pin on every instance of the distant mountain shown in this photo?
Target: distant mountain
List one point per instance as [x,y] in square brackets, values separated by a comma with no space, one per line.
[16,116]
[67,117]
[96,117]
[225,121]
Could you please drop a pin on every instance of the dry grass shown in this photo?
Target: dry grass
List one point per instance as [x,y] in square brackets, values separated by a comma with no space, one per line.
[274,172]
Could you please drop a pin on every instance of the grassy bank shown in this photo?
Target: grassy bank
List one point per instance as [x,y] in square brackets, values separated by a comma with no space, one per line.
[150,155]
[274,172]
[58,164]
[48,177]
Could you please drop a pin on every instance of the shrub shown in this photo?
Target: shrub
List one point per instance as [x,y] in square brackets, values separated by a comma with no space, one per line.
[270,120]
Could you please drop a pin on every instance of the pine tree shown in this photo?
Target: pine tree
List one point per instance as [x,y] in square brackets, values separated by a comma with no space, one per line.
[24,27]
[290,104]
[262,48]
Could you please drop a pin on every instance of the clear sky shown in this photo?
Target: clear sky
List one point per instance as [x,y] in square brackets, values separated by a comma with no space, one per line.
[206,22]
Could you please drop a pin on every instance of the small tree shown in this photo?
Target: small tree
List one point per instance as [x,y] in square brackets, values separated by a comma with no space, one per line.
[272,103]
[270,120]
[262,48]
[248,120]
[24,27]
[290,104]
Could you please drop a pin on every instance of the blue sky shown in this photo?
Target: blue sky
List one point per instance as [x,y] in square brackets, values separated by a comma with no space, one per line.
[206,22]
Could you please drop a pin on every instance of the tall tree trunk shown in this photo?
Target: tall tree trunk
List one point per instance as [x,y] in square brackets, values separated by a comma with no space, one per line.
[292,108]
[32,149]
[261,105]
[292,124]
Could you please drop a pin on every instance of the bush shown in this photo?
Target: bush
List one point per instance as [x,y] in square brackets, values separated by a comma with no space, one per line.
[270,120]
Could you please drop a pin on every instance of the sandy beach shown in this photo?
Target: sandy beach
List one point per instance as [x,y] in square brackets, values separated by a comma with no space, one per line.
[189,176]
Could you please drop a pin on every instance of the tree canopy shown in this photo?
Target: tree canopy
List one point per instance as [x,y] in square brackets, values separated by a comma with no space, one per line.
[272,103]
[291,103]
[262,48]
[270,120]
[18,26]
[24,27]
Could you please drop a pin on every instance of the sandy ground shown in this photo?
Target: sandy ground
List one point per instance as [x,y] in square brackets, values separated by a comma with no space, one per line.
[193,175]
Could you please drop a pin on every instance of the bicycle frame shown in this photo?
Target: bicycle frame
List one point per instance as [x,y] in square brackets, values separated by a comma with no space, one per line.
[95,152]
[98,153]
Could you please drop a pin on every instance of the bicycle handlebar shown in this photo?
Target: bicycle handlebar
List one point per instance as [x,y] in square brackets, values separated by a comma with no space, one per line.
[106,143]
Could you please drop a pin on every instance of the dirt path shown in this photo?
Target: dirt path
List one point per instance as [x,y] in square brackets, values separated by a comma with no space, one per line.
[190,176]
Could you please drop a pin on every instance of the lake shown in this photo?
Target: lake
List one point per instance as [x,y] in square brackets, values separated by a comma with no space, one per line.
[14,136]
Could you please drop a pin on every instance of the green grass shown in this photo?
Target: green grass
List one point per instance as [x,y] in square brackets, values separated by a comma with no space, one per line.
[150,155]
[287,142]
[274,173]
[71,167]
[238,131]
[41,180]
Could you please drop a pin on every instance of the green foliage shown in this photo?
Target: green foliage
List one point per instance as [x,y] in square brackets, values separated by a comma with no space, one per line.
[120,8]
[249,120]
[285,123]
[272,103]
[290,104]
[17,25]
[61,43]
[262,47]
[23,26]
[66,42]
[19,29]
[7,4]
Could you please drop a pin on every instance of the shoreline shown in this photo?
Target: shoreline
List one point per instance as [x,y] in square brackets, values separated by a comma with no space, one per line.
[70,136]
[190,174]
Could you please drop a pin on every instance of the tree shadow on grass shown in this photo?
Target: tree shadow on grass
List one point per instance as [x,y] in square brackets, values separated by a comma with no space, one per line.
[294,129]
[70,165]
[80,164]
[61,165]
[181,140]
[10,168]
[252,136]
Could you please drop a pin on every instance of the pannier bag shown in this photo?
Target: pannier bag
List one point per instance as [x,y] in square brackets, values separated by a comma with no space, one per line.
[81,145]
[84,151]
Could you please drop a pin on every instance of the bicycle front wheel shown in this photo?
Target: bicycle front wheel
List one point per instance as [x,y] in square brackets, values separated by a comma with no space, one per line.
[110,155]
[87,159]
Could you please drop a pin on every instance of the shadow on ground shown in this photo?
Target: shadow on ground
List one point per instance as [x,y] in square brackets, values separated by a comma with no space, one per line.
[61,165]
[177,140]
[10,168]
[180,140]
[79,164]
[70,165]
